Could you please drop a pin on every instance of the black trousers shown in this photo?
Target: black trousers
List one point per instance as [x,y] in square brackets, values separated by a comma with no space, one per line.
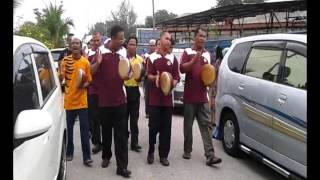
[133,103]
[146,85]
[94,119]
[160,122]
[115,118]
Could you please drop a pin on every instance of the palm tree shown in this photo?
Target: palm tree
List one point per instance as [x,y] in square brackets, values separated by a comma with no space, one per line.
[52,20]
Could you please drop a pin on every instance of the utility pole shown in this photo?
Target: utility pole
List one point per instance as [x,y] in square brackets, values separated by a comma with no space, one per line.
[153,15]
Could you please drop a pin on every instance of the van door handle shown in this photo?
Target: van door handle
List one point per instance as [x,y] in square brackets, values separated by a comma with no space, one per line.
[241,86]
[282,98]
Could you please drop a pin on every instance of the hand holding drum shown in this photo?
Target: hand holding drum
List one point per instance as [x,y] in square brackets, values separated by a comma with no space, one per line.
[124,68]
[81,78]
[208,74]
[137,71]
[166,82]
[126,71]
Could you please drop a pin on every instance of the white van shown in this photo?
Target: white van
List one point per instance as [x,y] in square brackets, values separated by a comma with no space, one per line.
[39,119]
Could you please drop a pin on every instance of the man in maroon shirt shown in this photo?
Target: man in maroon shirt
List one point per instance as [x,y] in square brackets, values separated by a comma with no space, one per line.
[160,105]
[196,97]
[112,100]
[93,98]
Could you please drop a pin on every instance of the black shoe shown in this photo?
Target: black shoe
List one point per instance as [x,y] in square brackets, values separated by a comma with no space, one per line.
[213,160]
[164,161]
[150,158]
[105,163]
[124,172]
[96,148]
[69,158]
[88,162]
[186,155]
[136,148]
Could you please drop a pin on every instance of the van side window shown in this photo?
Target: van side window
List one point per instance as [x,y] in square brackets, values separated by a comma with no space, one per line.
[25,94]
[263,63]
[45,74]
[295,71]
[238,56]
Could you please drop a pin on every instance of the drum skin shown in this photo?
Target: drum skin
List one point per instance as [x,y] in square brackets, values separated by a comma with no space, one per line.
[137,71]
[124,68]
[81,78]
[208,74]
[165,82]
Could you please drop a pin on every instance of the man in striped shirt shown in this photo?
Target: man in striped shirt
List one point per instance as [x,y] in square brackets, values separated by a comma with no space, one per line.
[75,99]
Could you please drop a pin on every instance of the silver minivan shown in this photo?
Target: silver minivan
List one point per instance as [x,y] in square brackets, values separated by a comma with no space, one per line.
[261,101]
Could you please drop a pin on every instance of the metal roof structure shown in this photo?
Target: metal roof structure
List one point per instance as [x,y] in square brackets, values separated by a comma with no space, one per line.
[236,11]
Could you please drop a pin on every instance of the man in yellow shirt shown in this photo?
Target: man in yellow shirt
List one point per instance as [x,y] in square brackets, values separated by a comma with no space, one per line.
[75,98]
[133,94]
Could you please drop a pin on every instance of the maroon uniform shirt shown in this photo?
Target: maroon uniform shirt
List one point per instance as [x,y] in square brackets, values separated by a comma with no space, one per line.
[92,88]
[194,90]
[111,91]
[157,62]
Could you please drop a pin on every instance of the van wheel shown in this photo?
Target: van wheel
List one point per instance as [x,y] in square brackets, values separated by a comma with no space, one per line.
[230,135]
[63,162]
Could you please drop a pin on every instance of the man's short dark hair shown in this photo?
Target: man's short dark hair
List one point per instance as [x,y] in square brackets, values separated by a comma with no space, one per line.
[115,30]
[132,37]
[162,33]
[157,41]
[79,40]
[96,33]
[198,29]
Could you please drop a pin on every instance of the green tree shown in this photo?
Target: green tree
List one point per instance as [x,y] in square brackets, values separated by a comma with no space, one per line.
[125,16]
[160,15]
[51,19]
[99,27]
[221,3]
[32,30]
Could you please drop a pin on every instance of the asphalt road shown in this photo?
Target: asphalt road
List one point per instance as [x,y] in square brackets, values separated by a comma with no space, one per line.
[194,169]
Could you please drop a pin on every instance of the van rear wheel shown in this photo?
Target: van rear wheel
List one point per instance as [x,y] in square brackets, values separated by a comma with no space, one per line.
[230,135]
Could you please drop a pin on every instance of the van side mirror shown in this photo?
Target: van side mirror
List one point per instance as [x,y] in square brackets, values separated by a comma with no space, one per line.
[31,123]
